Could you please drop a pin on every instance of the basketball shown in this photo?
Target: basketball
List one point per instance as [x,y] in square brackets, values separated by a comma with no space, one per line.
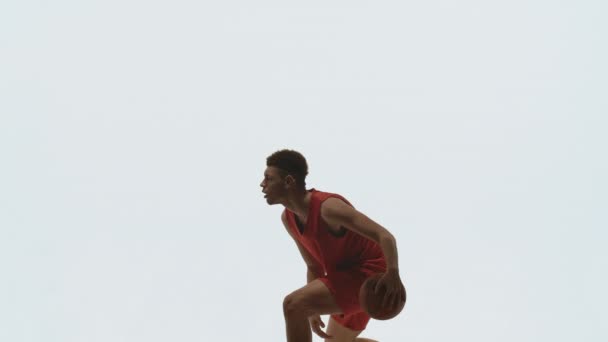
[372,302]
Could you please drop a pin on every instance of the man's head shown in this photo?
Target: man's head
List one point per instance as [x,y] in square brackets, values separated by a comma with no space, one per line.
[286,171]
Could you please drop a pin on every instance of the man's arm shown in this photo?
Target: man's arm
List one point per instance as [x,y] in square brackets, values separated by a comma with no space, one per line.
[314,269]
[338,213]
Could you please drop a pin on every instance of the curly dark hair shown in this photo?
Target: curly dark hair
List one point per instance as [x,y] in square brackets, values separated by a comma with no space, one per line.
[290,162]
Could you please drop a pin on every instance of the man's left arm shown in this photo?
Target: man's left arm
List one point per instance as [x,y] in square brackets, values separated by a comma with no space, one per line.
[338,213]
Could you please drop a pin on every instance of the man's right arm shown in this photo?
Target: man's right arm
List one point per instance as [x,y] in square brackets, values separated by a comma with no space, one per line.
[314,269]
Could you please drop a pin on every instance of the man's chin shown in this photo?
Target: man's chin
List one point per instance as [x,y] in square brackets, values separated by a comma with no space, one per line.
[270,202]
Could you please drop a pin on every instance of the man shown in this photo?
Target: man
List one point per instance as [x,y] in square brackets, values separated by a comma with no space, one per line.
[341,247]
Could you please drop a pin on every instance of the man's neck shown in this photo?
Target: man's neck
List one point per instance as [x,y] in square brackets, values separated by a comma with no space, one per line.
[299,203]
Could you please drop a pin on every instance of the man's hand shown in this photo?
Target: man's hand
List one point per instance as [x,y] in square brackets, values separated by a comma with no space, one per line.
[395,291]
[316,323]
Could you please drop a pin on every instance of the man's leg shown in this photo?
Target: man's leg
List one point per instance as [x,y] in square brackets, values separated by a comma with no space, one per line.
[312,299]
[344,334]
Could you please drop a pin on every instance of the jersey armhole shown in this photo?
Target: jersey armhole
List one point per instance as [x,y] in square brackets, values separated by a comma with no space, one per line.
[342,230]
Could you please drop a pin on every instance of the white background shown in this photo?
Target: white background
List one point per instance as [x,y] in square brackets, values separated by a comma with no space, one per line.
[133,138]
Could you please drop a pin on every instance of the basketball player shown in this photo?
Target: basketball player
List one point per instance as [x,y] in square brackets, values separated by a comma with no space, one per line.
[341,247]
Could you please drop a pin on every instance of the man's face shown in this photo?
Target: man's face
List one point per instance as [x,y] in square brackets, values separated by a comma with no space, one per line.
[273,185]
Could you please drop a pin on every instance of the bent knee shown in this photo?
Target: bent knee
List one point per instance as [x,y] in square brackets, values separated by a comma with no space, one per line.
[295,305]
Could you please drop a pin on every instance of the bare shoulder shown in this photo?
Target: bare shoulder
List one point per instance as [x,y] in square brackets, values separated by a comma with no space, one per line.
[335,209]
[338,213]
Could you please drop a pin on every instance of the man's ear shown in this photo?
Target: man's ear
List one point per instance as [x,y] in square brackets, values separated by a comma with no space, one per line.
[289,180]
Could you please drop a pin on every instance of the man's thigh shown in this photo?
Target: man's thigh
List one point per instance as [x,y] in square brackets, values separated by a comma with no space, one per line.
[312,299]
[340,333]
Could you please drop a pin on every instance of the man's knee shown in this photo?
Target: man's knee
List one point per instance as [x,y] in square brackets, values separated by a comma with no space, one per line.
[294,304]
[312,299]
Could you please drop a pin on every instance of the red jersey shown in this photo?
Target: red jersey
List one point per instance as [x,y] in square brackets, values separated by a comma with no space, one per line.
[341,251]
[347,259]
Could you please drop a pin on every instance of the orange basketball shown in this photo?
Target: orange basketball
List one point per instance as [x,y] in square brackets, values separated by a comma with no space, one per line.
[372,302]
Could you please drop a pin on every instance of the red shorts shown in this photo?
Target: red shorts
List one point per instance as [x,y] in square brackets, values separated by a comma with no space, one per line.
[344,286]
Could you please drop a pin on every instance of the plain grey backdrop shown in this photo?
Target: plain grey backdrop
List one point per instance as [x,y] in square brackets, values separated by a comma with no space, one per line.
[133,138]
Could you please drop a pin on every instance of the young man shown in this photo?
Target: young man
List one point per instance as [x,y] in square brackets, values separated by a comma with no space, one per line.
[341,247]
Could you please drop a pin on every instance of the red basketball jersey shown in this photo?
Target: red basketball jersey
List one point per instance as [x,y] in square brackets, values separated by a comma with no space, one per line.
[335,252]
